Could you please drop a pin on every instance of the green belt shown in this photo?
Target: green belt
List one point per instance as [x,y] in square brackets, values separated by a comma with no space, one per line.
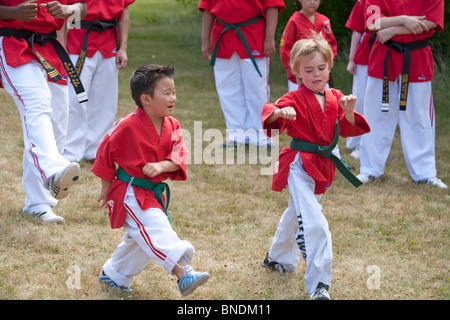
[156,188]
[325,151]
[236,26]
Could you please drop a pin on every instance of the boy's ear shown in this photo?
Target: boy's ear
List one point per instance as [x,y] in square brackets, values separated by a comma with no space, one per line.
[145,99]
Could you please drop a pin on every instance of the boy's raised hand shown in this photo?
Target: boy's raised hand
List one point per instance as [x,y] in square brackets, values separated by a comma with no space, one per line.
[348,103]
[286,113]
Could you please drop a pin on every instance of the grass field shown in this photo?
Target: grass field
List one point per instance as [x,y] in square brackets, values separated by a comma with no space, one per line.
[390,238]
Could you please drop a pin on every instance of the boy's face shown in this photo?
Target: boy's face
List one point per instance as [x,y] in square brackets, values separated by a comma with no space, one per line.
[163,101]
[310,6]
[314,72]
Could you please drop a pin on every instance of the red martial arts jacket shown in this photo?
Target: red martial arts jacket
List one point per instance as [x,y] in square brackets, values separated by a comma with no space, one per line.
[311,125]
[17,52]
[300,27]
[105,41]
[131,144]
[357,21]
[422,67]
[237,11]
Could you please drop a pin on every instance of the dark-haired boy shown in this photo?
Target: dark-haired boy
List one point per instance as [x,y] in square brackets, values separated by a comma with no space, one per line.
[147,146]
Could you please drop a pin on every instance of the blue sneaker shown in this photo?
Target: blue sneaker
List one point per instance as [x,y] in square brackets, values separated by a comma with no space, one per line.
[103,278]
[191,280]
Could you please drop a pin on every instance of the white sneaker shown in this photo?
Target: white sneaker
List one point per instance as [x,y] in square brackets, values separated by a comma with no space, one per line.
[49,217]
[364,177]
[435,182]
[355,153]
[61,181]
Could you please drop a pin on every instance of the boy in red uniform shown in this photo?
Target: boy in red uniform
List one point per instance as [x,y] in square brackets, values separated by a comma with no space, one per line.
[33,73]
[242,34]
[98,50]
[147,148]
[399,88]
[303,24]
[307,167]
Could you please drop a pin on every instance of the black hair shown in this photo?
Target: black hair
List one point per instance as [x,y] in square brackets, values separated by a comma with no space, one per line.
[145,78]
[299,5]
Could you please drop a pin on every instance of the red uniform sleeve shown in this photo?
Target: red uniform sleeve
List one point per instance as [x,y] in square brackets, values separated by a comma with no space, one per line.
[178,154]
[276,127]
[287,42]
[357,20]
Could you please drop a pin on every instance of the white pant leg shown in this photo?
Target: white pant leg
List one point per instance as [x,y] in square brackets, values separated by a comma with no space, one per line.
[60,115]
[284,248]
[417,130]
[149,237]
[359,91]
[91,120]
[127,261]
[376,145]
[34,97]
[256,93]
[229,86]
[242,93]
[313,236]
[102,106]
[77,127]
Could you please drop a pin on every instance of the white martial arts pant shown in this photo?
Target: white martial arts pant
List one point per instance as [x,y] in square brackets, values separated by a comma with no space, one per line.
[359,91]
[303,229]
[91,120]
[416,124]
[43,109]
[242,94]
[149,236]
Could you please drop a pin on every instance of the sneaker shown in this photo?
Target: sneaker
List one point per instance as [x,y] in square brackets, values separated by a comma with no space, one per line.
[355,153]
[435,182]
[49,217]
[272,265]
[364,177]
[61,181]
[103,278]
[191,280]
[321,292]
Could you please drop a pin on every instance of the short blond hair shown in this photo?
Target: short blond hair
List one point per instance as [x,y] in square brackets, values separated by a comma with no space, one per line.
[307,48]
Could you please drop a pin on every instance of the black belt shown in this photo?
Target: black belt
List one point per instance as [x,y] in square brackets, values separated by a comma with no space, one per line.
[94,25]
[405,48]
[372,38]
[42,38]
